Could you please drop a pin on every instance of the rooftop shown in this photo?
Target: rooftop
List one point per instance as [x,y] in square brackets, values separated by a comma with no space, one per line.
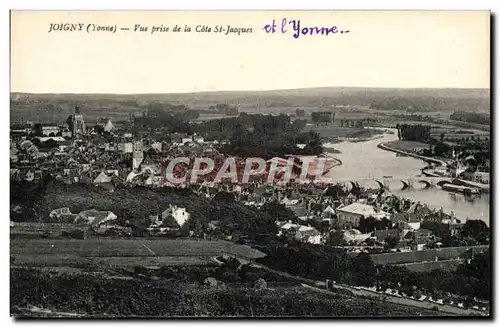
[359,209]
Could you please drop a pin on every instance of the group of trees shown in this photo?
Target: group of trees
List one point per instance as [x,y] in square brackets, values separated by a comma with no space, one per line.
[418,132]
[264,136]
[431,102]
[323,117]
[473,232]
[370,224]
[356,123]
[323,262]
[268,136]
[471,117]
[172,122]
[222,109]
[469,280]
[34,201]
[416,104]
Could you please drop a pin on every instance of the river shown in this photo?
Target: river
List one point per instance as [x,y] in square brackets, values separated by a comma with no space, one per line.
[364,160]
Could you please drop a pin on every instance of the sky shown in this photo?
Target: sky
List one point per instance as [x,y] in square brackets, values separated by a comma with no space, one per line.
[404,49]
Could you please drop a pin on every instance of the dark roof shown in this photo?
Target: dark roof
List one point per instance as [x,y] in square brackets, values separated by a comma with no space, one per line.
[299,211]
[384,233]
[148,161]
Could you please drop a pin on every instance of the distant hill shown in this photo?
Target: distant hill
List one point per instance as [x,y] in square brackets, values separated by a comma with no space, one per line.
[43,107]
[248,95]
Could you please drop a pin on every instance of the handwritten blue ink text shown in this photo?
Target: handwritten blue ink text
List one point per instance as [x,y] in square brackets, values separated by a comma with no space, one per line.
[299,29]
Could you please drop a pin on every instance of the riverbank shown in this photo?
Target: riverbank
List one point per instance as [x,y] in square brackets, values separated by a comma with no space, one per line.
[360,139]
[388,147]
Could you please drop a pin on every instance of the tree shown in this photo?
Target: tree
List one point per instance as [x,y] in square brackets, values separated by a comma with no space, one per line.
[37,129]
[442,149]
[315,145]
[476,229]
[224,196]
[363,270]
[69,122]
[278,211]
[391,242]
[99,129]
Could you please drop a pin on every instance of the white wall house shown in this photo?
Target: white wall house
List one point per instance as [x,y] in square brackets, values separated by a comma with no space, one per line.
[47,130]
[350,215]
[179,214]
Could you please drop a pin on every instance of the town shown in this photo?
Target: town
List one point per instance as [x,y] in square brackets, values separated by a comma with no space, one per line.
[108,182]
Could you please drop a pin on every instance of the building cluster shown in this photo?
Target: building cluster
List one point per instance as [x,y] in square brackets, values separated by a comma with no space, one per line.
[108,157]
[103,156]
[320,214]
[102,222]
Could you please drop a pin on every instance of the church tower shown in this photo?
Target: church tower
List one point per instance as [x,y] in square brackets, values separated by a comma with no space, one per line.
[78,123]
[138,154]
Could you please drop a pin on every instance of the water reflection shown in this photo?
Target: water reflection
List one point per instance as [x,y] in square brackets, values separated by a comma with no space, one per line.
[364,160]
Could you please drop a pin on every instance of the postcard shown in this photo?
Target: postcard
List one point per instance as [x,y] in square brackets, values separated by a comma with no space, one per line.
[250,164]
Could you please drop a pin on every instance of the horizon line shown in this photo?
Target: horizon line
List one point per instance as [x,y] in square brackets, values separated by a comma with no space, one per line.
[262,90]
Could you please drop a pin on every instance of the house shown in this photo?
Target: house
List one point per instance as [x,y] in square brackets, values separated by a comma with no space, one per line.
[328,212]
[419,238]
[96,218]
[177,138]
[198,139]
[57,139]
[351,198]
[57,213]
[106,124]
[50,130]
[157,146]
[355,236]
[482,177]
[382,234]
[213,225]
[349,216]
[103,177]
[188,139]
[439,217]
[308,234]
[288,229]
[179,214]
[405,220]
[288,202]
[299,211]
[65,218]
[126,147]
[15,174]
[66,133]
[149,166]
[419,210]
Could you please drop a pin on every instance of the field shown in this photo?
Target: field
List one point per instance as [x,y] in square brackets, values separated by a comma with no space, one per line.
[333,131]
[105,247]
[122,252]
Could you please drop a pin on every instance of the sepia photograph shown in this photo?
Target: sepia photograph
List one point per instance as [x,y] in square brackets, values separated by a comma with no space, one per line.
[250,164]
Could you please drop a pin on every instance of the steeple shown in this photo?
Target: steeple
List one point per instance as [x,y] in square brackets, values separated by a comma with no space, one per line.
[78,123]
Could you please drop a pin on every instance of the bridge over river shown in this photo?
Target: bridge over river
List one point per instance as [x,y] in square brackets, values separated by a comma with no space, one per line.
[388,182]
